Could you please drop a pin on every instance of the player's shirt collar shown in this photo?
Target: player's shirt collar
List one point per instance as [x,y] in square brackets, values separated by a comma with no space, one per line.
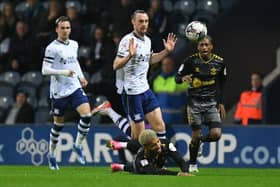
[63,42]
[140,38]
[206,61]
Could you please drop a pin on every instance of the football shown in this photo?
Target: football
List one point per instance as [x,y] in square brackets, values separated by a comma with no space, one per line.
[195,30]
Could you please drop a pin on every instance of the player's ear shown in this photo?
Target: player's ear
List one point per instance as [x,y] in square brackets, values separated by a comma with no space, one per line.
[211,46]
[132,21]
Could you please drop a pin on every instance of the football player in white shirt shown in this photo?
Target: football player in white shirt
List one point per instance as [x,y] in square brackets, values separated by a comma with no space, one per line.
[134,57]
[67,80]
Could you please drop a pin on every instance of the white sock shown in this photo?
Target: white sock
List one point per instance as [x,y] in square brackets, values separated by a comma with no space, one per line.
[52,148]
[79,140]
[122,166]
[113,115]
[123,144]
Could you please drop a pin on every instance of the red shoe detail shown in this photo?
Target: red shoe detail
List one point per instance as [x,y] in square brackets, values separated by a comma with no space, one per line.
[116,167]
[115,145]
[105,105]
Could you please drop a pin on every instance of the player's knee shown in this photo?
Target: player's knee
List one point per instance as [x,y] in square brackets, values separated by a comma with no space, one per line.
[158,127]
[86,118]
[215,136]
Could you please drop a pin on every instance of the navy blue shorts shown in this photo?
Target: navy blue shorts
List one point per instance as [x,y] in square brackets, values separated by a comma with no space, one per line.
[136,106]
[75,99]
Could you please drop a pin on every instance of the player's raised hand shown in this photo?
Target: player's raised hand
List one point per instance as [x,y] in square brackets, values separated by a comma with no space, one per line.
[170,42]
[132,48]
[187,78]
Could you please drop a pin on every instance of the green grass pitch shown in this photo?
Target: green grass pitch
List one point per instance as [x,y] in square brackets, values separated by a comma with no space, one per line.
[70,176]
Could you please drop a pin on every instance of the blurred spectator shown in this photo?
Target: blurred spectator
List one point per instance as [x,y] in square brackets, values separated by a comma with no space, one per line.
[249,108]
[45,29]
[46,26]
[165,81]
[21,111]
[7,29]
[101,51]
[8,21]
[157,24]
[23,54]
[121,10]
[96,10]
[33,14]
[76,23]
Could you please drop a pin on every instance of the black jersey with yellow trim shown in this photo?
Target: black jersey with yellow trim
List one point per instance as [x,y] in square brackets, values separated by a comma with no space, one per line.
[208,77]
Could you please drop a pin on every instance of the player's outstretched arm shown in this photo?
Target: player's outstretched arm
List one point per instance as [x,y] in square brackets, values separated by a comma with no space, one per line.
[48,70]
[169,45]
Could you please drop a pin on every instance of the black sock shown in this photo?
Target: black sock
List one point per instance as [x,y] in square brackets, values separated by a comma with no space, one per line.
[128,168]
[193,148]
[133,146]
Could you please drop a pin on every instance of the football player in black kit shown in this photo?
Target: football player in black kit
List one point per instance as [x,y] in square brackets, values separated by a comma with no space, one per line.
[206,74]
[151,157]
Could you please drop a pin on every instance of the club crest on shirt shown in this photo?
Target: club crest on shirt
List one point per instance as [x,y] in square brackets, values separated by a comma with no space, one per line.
[137,117]
[144,162]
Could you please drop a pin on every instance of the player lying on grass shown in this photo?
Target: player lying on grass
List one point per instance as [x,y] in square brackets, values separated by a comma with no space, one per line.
[151,157]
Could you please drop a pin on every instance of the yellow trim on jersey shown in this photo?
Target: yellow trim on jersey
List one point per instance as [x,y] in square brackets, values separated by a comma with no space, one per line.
[207,60]
[194,55]
[218,57]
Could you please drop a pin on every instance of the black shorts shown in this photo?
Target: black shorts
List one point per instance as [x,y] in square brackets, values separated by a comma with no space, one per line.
[203,112]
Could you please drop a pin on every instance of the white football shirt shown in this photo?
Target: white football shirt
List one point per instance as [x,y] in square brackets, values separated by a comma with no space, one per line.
[63,55]
[136,70]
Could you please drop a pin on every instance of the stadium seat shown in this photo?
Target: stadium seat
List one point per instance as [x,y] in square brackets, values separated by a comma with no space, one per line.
[42,115]
[10,77]
[204,17]
[181,27]
[167,6]
[6,89]
[46,4]
[21,8]
[44,91]
[209,6]
[84,52]
[6,102]
[88,30]
[75,4]
[32,101]
[46,79]
[2,6]
[96,77]
[186,7]
[33,77]
[44,102]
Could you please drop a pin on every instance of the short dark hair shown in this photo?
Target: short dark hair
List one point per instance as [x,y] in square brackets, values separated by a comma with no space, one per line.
[205,37]
[21,91]
[261,76]
[62,19]
[139,11]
